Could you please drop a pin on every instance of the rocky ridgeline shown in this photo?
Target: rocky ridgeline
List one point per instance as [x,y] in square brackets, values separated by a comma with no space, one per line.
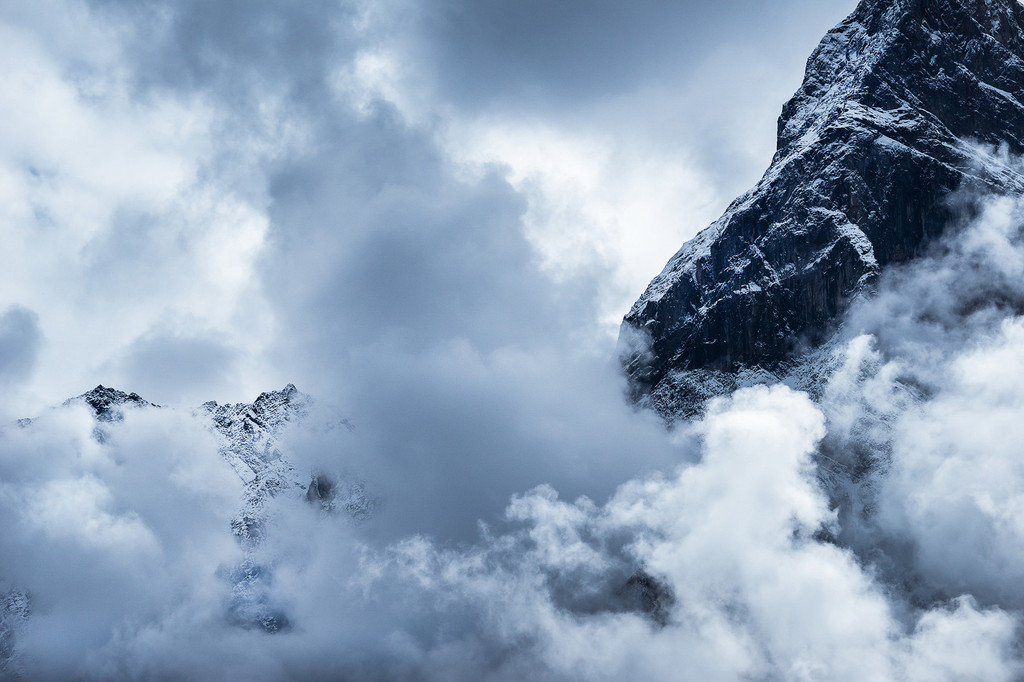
[108,404]
[903,110]
[249,435]
[250,439]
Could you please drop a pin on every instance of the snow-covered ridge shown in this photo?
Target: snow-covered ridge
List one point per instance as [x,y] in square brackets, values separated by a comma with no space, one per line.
[108,403]
[250,435]
[251,439]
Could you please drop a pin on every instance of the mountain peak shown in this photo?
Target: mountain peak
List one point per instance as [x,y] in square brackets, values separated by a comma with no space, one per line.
[106,403]
[897,105]
[913,53]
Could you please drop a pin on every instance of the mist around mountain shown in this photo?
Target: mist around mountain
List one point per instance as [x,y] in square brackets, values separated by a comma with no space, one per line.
[467,494]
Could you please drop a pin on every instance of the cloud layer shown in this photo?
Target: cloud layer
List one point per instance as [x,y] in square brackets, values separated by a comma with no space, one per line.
[718,569]
[428,216]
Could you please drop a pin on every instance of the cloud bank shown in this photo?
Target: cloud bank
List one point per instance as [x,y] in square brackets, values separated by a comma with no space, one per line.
[718,570]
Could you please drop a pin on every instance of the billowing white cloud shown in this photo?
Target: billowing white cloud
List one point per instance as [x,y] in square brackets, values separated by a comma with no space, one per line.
[110,226]
[716,570]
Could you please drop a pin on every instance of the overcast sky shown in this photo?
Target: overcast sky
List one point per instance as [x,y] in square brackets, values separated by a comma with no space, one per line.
[431,215]
[209,199]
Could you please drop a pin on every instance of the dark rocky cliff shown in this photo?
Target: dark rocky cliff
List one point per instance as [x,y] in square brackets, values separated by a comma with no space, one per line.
[896,109]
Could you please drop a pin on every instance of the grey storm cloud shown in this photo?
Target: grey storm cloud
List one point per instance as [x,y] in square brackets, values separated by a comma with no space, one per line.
[234,47]
[541,53]
[491,49]
[20,338]
[398,245]
[171,368]
[558,60]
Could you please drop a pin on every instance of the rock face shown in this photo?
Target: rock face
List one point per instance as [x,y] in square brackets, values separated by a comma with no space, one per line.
[250,435]
[902,105]
[108,403]
[15,608]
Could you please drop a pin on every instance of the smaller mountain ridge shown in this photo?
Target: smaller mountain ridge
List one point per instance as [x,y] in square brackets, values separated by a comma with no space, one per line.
[108,403]
[249,435]
[270,410]
[250,439]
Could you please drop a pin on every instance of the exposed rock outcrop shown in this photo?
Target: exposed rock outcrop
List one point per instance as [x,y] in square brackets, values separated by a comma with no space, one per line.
[903,105]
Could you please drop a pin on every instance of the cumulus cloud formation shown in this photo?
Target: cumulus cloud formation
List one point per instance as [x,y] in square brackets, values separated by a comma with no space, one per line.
[110,230]
[106,537]
[923,411]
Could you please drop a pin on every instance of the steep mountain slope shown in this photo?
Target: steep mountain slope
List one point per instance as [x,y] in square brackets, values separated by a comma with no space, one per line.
[903,105]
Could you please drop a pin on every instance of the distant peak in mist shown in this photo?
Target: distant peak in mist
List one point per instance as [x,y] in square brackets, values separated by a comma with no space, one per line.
[105,402]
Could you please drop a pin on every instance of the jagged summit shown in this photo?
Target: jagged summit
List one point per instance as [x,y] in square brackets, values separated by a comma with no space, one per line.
[953,65]
[903,103]
[268,412]
[106,403]
[252,439]
[250,431]
[250,435]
